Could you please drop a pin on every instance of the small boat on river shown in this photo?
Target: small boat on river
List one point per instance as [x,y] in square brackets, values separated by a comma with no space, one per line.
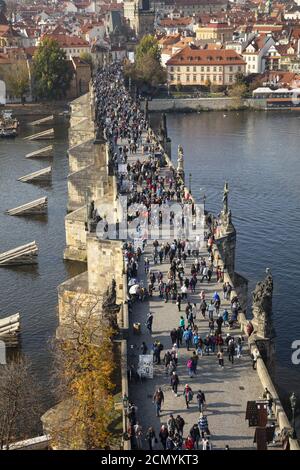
[8,125]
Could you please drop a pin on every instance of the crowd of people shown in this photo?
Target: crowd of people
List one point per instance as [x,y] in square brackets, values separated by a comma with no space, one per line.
[126,129]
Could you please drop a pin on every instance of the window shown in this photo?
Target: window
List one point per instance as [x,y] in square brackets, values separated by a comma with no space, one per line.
[202,78]
[207,69]
[220,69]
[215,69]
[230,69]
[178,69]
[187,69]
[178,78]
[172,69]
[172,78]
[187,78]
[230,78]
[239,68]
[214,78]
[220,78]
[202,69]
[194,69]
[194,78]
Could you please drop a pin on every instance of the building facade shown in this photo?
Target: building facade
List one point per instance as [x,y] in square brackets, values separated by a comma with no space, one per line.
[193,67]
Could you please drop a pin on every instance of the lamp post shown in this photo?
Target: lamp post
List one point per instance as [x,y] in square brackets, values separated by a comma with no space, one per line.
[190,183]
[293,402]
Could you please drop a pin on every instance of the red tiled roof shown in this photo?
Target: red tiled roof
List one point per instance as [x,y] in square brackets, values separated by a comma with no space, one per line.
[193,55]
[67,41]
[175,22]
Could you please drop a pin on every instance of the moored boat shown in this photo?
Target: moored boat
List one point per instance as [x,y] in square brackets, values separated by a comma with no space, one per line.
[8,125]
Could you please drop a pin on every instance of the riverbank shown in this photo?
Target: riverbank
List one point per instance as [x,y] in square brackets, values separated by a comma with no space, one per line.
[37,109]
[197,105]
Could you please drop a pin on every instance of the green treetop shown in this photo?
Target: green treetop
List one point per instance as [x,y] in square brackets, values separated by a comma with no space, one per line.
[51,72]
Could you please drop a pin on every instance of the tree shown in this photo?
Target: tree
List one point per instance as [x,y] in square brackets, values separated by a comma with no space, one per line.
[20,408]
[149,72]
[51,72]
[239,90]
[17,79]
[84,368]
[147,69]
[147,46]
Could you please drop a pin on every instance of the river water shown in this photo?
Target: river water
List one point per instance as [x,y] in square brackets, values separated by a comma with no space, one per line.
[256,152]
[32,291]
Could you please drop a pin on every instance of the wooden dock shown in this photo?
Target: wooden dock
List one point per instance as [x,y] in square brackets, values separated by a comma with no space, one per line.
[37,207]
[44,152]
[37,176]
[10,329]
[43,135]
[22,255]
[42,121]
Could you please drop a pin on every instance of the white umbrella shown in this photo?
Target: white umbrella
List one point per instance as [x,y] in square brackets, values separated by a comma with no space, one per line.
[132,282]
[134,289]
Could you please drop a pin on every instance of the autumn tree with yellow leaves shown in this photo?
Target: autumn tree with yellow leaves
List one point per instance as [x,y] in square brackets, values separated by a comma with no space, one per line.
[85,368]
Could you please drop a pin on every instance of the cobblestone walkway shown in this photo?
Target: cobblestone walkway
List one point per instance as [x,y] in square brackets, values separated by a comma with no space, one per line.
[227,390]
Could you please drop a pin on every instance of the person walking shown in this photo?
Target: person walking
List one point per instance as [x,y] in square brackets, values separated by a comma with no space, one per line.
[144,348]
[189,443]
[158,399]
[188,395]
[195,435]
[203,425]
[179,421]
[151,438]
[163,436]
[174,383]
[239,347]
[201,401]
[231,350]
[178,302]
[138,433]
[206,444]
[220,357]
[173,335]
[171,424]
[149,322]
[187,336]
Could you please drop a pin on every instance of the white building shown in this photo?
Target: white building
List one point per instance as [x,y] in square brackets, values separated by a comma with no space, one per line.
[254,54]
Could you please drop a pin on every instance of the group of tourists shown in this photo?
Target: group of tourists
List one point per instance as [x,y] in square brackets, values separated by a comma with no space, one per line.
[126,129]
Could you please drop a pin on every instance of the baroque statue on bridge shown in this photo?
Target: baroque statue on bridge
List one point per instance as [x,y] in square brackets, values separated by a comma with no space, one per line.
[262,305]
[110,308]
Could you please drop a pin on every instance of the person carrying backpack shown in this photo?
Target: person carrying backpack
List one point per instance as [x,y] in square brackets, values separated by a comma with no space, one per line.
[201,401]
[179,424]
[189,365]
[174,382]
[171,424]
[188,395]
[158,399]
[203,425]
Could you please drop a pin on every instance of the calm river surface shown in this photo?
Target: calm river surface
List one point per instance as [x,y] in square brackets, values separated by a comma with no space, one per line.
[32,291]
[257,153]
